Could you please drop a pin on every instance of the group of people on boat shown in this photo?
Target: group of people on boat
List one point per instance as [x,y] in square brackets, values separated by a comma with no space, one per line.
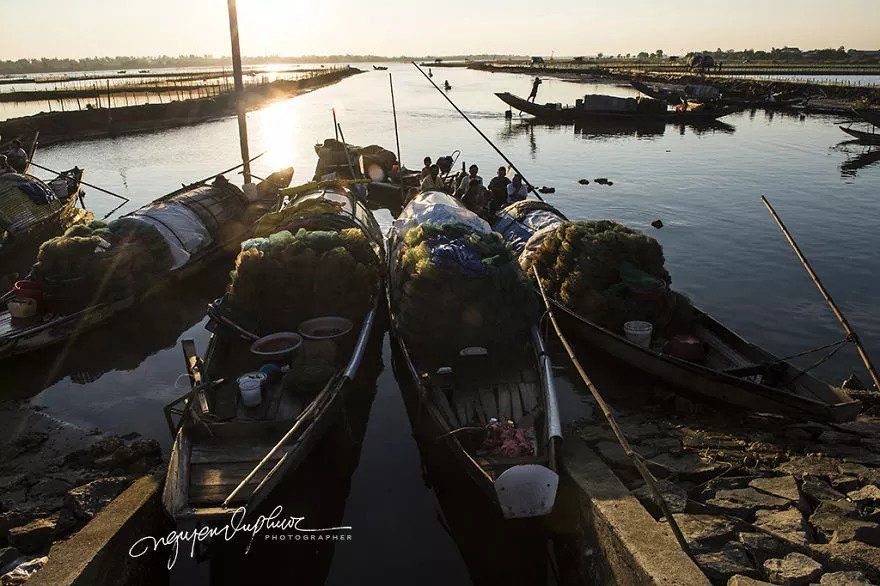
[469,187]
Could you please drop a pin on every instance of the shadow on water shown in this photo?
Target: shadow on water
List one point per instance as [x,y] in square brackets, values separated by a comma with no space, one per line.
[120,345]
[604,129]
[857,160]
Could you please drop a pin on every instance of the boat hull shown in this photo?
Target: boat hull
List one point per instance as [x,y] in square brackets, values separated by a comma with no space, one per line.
[862,136]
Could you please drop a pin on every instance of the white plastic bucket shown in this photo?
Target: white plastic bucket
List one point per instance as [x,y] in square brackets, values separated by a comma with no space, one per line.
[250,386]
[639,333]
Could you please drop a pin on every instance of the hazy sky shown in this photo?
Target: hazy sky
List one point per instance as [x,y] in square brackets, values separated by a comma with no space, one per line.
[78,28]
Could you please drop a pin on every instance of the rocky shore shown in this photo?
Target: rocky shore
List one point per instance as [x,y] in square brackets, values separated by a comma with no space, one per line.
[54,477]
[760,498]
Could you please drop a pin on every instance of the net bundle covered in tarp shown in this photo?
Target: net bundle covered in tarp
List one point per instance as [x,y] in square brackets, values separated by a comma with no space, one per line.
[104,261]
[291,275]
[519,221]
[25,201]
[607,273]
[456,284]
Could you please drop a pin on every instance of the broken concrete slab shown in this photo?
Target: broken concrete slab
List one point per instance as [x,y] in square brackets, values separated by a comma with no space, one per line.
[705,532]
[853,555]
[687,465]
[852,578]
[795,569]
[729,561]
[35,537]
[781,486]
[745,581]
[836,527]
[86,500]
[675,496]
[788,524]
[743,502]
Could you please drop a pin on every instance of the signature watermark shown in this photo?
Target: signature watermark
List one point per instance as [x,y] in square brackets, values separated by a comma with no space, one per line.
[274,527]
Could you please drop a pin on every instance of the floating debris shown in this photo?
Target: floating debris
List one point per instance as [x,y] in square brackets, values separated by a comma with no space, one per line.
[601,180]
[545,189]
[584,181]
[657,224]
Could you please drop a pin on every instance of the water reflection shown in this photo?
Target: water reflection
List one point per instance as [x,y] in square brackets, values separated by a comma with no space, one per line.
[607,129]
[867,156]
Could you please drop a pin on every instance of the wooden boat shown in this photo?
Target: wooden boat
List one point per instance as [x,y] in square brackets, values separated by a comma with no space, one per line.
[665,94]
[380,68]
[219,441]
[372,165]
[227,216]
[473,389]
[25,224]
[862,135]
[571,113]
[734,370]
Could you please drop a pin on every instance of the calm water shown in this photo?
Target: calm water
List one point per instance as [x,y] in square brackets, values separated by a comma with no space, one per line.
[722,249]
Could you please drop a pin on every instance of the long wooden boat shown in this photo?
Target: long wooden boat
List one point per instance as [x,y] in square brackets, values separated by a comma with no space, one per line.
[473,390]
[571,113]
[26,224]
[734,370]
[226,215]
[862,135]
[218,441]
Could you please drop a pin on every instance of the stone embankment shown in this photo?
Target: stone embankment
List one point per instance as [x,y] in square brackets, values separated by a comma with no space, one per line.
[54,478]
[759,498]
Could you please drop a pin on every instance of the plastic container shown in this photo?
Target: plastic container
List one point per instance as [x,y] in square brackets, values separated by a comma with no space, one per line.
[325,328]
[22,307]
[250,386]
[278,347]
[639,333]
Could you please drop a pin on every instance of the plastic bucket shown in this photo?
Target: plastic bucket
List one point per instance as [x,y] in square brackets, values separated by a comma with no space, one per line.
[250,386]
[639,333]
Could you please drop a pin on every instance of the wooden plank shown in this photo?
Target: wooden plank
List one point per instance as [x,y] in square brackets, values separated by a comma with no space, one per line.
[515,402]
[216,453]
[446,409]
[220,474]
[527,392]
[505,409]
[487,399]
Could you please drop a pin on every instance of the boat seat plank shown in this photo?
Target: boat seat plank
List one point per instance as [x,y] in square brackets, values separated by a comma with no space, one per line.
[488,402]
[528,394]
[505,409]
[515,402]
[207,453]
[446,409]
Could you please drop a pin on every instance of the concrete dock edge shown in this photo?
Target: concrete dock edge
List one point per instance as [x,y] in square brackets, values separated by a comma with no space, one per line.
[637,549]
[98,553]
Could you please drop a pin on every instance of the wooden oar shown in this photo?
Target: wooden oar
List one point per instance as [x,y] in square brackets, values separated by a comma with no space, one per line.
[480,132]
[850,333]
[612,422]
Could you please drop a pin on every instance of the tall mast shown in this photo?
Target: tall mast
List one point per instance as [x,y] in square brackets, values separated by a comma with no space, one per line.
[239,91]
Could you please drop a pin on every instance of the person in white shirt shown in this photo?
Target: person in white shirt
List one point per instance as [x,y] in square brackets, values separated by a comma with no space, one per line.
[466,181]
[517,190]
[433,181]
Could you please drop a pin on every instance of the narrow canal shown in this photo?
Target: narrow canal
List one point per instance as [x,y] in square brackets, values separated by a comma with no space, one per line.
[412,522]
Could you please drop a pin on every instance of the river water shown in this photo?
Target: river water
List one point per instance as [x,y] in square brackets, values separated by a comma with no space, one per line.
[722,249]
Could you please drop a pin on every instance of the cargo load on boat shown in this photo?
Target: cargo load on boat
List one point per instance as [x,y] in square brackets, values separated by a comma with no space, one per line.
[107,261]
[316,263]
[608,273]
[454,283]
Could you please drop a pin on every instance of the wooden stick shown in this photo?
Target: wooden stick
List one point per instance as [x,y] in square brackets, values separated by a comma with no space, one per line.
[851,335]
[239,90]
[394,112]
[480,132]
[335,124]
[47,169]
[609,416]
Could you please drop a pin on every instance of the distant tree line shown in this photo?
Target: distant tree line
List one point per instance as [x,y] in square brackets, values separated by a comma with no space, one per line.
[788,54]
[55,65]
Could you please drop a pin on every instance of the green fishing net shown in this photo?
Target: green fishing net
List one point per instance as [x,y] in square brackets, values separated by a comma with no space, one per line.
[284,279]
[608,273]
[442,307]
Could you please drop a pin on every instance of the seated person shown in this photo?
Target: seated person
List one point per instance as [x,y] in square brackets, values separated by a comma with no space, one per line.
[433,180]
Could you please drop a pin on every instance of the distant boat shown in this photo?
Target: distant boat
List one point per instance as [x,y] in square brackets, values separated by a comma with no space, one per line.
[863,136]
[446,85]
[143,70]
[379,68]
[121,71]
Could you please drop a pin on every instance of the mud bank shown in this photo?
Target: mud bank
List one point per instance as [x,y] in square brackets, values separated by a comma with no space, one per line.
[54,478]
[777,499]
[57,127]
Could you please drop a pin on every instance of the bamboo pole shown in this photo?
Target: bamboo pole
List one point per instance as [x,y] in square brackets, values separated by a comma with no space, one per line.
[122,197]
[612,422]
[239,90]
[850,333]
[394,111]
